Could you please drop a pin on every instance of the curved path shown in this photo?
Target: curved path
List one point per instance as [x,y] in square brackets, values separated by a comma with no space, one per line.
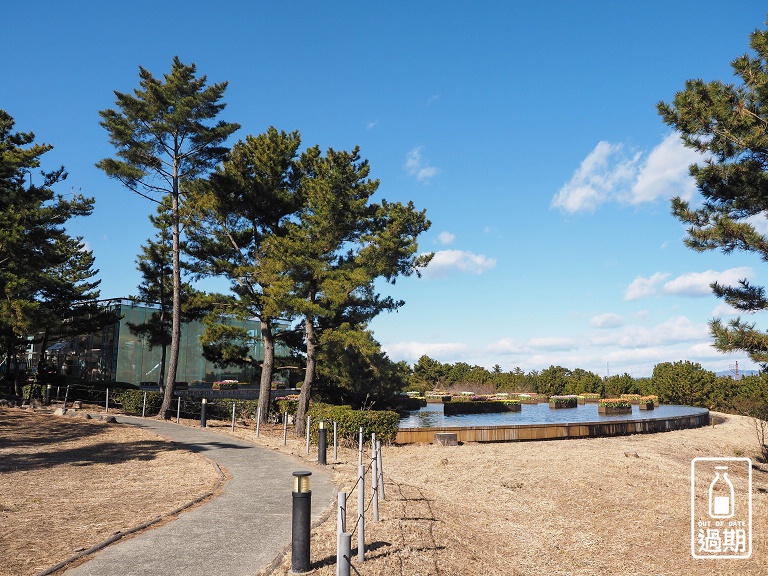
[239,532]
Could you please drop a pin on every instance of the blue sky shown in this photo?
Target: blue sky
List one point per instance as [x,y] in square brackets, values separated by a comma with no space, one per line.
[527,131]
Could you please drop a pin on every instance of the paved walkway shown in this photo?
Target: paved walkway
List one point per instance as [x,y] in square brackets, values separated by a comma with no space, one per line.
[239,532]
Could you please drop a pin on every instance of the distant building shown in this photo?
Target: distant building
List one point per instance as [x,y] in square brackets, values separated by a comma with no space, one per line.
[114,354]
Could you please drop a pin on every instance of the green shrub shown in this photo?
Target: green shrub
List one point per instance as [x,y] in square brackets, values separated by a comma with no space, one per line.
[132,401]
[289,404]
[383,423]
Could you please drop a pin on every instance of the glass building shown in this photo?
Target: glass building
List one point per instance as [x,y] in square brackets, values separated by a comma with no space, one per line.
[115,354]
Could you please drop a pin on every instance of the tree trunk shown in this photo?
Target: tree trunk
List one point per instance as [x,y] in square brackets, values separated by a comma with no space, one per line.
[165,407]
[309,377]
[265,386]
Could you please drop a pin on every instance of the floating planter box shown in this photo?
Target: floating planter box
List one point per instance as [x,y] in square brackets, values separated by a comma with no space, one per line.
[528,398]
[591,397]
[632,398]
[609,406]
[563,401]
[480,407]
[646,403]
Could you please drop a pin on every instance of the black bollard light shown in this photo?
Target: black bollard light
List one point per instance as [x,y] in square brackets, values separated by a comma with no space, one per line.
[322,439]
[48,395]
[203,416]
[300,525]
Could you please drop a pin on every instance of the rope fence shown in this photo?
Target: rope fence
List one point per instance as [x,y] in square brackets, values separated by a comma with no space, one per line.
[364,505]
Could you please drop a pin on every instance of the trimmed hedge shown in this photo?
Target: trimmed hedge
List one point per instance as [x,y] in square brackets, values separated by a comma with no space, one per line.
[383,423]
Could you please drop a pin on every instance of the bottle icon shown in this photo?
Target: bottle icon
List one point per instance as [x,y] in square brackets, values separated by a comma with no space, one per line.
[721,503]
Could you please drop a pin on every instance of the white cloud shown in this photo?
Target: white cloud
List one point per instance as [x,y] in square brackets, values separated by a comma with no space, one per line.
[644,287]
[697,284]
[607,174]
[725,309]
[372,124]
[444,351]
[607,320]
[533,345]
[445,261]
[446,238]
[759,222]
[692,284]
[600,173]
[416,166]
[664,174]
[552,343]
[673,331]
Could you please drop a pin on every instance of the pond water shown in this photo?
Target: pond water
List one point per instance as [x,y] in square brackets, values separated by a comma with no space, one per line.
[432,416]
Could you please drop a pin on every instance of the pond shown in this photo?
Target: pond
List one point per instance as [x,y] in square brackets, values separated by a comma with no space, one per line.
[432,416]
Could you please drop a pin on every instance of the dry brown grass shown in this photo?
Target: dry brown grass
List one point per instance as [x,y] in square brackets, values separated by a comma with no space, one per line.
[576,507]
[67,484]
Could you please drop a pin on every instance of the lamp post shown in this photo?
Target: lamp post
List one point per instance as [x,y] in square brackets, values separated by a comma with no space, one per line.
[203,415]
[322,441]
[300,524]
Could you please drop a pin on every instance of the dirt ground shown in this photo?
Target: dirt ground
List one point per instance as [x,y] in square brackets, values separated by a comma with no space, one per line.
[571,507]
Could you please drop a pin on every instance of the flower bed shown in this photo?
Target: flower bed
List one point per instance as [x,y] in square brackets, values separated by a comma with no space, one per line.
[632,398]
[528,398]
[563,401]
[225,385]
[610,406]
[481,407]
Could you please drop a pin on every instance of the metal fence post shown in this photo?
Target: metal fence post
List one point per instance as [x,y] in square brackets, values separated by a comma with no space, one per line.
[309,421]
[361,513]
[335,444]
[380,467]
[360,448]
[341,513]
[233,415]
[258,421]
[343,554]
[106,403]
[178,410]
[144,405]
[375,484]
[285,428]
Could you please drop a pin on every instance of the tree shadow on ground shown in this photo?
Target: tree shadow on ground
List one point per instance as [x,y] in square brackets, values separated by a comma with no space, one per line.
[101,453]
[20,429]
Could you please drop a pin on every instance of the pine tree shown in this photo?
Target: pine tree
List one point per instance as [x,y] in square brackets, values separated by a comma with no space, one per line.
[164,141]
[247,201]
[44,273]
[336,248]
[728,124]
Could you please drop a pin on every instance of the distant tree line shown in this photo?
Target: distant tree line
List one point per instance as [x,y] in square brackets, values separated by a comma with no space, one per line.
[680,382]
